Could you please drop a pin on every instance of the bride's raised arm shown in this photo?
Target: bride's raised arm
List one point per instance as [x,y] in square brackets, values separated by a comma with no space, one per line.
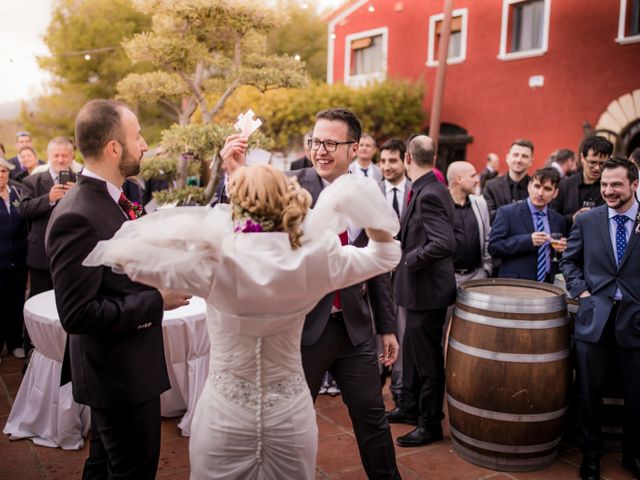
[174,249]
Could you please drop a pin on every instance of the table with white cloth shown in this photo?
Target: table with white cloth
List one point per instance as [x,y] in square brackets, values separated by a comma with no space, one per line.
[46,413]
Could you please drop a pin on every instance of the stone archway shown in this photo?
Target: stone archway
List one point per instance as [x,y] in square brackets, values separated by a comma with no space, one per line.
[622,120]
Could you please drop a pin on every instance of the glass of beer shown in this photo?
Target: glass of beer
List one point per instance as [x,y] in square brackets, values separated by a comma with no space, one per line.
[557,241]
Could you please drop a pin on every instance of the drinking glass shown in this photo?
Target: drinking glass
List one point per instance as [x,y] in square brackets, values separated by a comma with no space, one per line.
[557,241]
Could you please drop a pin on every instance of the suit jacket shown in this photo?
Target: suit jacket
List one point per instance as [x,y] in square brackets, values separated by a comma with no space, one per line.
[373,171]
[301,163]
[115,354]
[589,264]
[17,172]
[36,210]
[498,193]
[407,189]
[359,301]
[13,234]
[424,279]
[510,239]
[481,211]
[568,201]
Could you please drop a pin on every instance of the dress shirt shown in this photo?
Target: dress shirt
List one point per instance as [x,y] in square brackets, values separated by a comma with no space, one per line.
[545,221]
[628,226]
[519,190]
[359,169]
[557,166]
[467,235]
[7,202]
[114,191]
[388,188]
[590,192]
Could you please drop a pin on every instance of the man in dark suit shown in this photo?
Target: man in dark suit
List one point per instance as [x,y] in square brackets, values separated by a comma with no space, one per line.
[338,334]
[41,193]
[23,139]
[512,186]
[521,233]
[114,348]
[601,265]
[425,286]
[490,171]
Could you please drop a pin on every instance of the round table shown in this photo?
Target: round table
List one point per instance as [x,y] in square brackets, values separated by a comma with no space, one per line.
[46,412]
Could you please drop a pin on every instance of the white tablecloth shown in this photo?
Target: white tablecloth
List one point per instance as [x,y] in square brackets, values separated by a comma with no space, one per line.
[47,413]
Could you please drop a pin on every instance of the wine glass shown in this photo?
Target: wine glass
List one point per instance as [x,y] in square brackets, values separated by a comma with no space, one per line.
[588,204]
[557,241]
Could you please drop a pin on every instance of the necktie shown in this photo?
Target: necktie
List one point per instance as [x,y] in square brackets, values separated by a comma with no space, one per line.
[394,204]
[127,206]
[344,239]
[409,196]
[364,170]
[543,250]
[621,236]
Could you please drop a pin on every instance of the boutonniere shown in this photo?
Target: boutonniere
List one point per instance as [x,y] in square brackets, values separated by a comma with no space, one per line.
[16,204]
[638,222]
[137,209]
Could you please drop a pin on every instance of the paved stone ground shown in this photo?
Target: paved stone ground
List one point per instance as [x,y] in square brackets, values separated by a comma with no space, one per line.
[337,457]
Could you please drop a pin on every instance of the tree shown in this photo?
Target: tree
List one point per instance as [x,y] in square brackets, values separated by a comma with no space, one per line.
[203,51]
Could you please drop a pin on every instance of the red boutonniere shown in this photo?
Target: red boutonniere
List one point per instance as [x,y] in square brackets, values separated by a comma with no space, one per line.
[137,209]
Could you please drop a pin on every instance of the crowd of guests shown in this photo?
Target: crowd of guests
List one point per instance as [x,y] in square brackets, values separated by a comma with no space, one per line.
[466,226]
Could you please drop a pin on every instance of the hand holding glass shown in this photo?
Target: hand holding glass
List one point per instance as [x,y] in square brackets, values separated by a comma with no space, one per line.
[558,243]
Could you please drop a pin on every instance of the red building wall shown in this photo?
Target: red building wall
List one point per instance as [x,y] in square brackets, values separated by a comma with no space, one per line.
[584,70]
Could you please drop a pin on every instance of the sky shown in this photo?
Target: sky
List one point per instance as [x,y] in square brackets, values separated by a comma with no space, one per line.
[24,23]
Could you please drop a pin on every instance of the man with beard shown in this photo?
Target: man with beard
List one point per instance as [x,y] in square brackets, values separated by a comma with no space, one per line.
[114,354]
[601,265]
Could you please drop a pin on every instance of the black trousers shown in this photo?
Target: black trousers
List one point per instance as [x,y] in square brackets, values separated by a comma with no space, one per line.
[125,442]
[13,283]
[423,366]
[355,369]
[594,362]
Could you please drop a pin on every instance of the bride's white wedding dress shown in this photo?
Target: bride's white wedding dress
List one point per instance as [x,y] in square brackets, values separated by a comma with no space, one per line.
[255,418]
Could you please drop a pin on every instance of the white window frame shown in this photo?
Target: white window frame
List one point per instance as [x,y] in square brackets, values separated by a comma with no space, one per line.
[504,31]
[431,53]
[360,80]
[622,20]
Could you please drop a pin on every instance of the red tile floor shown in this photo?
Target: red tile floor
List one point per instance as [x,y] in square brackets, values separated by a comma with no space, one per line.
[337,456]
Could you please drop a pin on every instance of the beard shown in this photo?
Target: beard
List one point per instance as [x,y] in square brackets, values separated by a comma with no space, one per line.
[128,164]
[620,201]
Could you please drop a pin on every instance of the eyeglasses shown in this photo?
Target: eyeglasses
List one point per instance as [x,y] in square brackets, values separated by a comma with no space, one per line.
[329,145]
[594,164]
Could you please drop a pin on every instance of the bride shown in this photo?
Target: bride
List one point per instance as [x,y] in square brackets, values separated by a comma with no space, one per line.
[261,266]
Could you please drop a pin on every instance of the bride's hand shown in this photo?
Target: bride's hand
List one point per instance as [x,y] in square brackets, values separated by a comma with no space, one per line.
[233,152]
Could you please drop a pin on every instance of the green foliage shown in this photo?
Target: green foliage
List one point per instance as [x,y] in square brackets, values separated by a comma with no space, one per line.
[388,109]
[305,34]
[185,196]
[164,167]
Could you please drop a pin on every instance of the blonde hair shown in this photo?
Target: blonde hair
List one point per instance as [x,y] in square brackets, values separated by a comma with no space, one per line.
[268,197]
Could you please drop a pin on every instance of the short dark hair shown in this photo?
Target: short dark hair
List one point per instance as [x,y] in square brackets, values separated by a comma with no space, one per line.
[600,146]
[354,128]
[97,123]
[547,174]
[635,157]
[522,142]
[423,156]
[617,161]
[564,155]
[393,145]
[27,147]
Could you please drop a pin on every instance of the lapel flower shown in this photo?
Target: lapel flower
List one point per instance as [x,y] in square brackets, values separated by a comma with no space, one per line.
[137,209]
[16,204]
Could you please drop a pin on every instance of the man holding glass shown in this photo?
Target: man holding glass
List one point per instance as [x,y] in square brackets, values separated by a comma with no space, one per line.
[524,235]
[581,192]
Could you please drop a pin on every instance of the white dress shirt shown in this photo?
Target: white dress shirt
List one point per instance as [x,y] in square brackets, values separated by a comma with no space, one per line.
[401,187]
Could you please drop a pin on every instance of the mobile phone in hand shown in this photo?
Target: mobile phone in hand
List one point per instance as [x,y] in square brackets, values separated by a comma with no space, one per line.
[64,177]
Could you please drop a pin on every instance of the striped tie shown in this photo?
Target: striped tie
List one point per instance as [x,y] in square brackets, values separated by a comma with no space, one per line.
[543,250]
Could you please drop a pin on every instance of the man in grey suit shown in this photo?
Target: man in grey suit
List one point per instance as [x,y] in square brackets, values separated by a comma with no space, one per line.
[338,334]
[601,265]
[363,164]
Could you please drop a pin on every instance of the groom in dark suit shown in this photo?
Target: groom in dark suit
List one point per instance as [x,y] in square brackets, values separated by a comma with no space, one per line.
[114,355]
[601,265]
[338,334]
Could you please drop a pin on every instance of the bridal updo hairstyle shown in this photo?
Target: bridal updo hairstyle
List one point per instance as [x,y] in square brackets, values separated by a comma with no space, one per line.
[266,196]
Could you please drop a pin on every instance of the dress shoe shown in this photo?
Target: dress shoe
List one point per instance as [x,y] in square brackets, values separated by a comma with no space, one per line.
[400,416]
[632,464]
[419,436]
[590,468]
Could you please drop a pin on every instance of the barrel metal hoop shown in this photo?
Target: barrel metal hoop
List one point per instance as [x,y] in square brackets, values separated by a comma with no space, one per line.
[504,304]
[509,357]
[497,447]
[510,322]
[507,417]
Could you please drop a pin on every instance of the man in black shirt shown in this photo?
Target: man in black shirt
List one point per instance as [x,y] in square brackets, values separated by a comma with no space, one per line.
[471,257]
[511,187]
[581,192]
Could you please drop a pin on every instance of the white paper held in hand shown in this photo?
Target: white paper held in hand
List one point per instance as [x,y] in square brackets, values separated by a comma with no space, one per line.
[246,125]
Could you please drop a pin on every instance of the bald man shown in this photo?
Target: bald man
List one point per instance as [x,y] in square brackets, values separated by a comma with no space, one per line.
[471,259]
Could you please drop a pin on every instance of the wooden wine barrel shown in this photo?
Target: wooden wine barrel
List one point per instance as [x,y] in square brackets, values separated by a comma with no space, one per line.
[508,373]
